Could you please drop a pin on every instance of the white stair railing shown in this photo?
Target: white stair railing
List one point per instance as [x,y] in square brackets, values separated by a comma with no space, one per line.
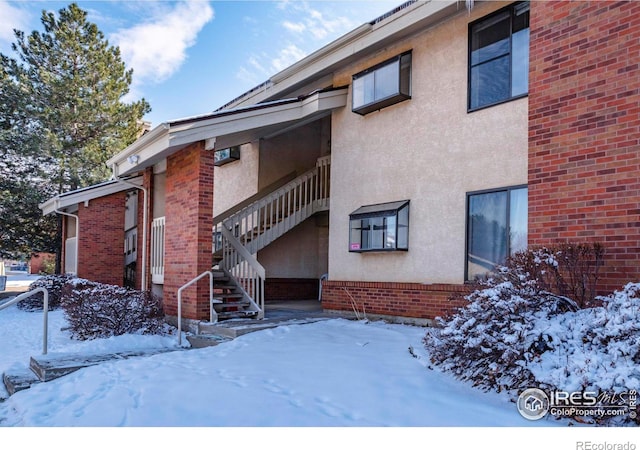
[45,308]
[213,315]
[262,222]
[249,274]
[242,234]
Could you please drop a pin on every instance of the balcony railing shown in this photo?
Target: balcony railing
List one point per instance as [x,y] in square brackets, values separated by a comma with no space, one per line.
[157,250]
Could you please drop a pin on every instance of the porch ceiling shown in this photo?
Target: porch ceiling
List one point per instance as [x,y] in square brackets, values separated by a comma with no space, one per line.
[226,128]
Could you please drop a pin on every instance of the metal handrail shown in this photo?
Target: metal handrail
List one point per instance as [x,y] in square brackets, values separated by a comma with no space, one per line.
[208,272]
[45,307]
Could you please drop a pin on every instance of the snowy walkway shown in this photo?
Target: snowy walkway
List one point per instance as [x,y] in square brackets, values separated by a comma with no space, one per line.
[332,373]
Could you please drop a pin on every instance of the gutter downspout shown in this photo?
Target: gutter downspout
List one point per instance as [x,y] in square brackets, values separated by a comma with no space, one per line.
[58,211]
[144,224]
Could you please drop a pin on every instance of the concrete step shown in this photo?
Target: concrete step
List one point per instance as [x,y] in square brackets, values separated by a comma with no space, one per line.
[236,314]
[50,367]
[19,380]
[206,340]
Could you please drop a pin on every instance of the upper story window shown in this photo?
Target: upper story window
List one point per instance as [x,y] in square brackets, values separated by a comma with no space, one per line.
[499,56]
[382,85]
[225,156]
[380,227]
[496,228]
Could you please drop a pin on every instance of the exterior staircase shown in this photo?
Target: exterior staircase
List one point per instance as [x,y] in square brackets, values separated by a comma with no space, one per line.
[238,236]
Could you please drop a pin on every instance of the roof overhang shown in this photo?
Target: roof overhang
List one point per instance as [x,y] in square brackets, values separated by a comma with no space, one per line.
[226,128]
[68,200]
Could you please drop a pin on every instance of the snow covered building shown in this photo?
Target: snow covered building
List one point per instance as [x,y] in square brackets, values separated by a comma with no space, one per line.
[394,164]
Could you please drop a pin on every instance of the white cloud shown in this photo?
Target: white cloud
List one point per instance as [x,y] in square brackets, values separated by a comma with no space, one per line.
[320,21]
[260,67]
[287,56]
[157,48]
[295,27]
[12,18]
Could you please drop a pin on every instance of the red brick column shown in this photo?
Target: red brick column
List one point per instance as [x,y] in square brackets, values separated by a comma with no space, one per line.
[584,130]
[188,230]
[101,240]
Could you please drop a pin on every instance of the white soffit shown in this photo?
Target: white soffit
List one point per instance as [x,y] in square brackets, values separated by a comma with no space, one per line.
[227,128]
[73,198]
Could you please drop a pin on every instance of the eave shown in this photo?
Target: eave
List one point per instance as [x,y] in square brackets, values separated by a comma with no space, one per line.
[226,128]
[72,198]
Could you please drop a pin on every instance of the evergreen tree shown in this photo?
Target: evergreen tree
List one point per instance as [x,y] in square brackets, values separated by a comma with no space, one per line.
[62,115]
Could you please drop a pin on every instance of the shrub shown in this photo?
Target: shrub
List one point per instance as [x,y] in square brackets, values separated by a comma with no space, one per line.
[489,341]
[570,270]
[515,333]
[96,310]
[48,265]
[594,349]
[54,285]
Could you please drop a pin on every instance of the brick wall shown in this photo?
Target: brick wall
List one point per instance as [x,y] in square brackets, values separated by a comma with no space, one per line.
[38,260]
[291,289]
[415,300]
[101,242]
[584,130]
[188,230]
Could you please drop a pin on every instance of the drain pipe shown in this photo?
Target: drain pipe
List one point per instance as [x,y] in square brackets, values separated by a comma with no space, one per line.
[57,211]
[145,201]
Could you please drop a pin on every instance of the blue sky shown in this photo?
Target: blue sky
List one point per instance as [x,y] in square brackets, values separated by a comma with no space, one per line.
[190,57]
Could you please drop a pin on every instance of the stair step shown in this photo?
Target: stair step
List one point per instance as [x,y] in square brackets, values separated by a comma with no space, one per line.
[240,304]
[206,340]
[225,286]
[19,380]
[219,274]
[50,367]
[236,314]
[230,295]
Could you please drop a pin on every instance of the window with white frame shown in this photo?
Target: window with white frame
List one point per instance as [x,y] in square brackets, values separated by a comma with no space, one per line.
[499,56]
[380,227]
[496,228]
[382,85]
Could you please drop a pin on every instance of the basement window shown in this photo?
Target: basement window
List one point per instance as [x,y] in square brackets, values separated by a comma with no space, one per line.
[382,85]
[381,227]
[222,157]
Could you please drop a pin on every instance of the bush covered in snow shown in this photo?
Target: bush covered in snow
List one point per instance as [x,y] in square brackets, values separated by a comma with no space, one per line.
[570,270]
[515,333]
[96,310]
[54,285]
[490,340]
[593,349]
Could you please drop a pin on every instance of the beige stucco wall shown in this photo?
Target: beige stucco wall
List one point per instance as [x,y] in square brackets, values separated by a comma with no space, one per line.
[294,151]
[427,149]
[236,181]
[300,253]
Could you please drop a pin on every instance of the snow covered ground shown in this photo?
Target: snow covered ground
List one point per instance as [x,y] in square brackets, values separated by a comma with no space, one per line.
[20,279]
[336,373]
